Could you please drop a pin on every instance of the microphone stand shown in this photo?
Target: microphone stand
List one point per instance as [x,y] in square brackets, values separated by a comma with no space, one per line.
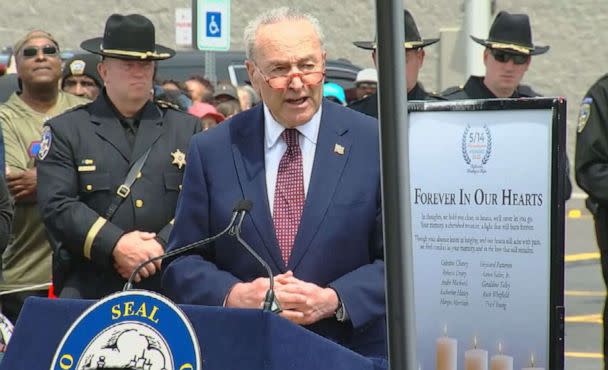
[129,284]
[270,302]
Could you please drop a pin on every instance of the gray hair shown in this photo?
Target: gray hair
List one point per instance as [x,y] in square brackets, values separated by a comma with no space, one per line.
[275,16]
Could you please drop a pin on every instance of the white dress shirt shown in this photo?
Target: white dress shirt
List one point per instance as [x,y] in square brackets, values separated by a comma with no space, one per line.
[275,147]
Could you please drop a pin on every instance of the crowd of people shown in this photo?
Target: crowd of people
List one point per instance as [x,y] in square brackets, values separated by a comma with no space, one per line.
[105,168]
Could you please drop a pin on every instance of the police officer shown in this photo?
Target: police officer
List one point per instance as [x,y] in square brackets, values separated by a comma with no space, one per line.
[414,54]
[591,175]
[109,172]
[80,76]
[507,57]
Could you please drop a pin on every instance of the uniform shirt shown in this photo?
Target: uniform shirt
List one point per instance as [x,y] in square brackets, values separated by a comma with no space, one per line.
[476,89]
[27,259]
[369,104]
[591,163]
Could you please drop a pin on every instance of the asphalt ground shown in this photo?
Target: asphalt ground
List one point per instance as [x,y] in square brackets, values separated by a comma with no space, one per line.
[584,290]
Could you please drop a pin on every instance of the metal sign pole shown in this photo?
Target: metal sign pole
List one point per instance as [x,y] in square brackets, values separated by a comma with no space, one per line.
[395,185]
[210,71]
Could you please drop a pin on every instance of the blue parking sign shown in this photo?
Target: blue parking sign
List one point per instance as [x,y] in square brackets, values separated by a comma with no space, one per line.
[214,24]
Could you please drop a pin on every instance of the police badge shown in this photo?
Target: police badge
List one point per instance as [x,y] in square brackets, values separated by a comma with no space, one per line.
[136,329]
[476,145]
[45,144]
[583,114]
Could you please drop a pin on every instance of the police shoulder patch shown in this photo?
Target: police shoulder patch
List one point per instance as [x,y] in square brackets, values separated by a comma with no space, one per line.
[135,329]
[45,143]
[584,114]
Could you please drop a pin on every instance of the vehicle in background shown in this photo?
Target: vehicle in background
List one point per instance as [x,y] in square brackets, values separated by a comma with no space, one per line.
[230,66]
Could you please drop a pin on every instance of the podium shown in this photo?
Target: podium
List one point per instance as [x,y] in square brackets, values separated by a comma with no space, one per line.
[228,338]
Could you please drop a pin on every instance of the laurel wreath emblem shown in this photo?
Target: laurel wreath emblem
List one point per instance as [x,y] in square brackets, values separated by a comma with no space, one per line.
[486,157]
[465,154]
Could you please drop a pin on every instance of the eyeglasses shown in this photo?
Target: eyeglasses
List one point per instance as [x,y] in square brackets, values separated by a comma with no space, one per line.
[309,78]
[504,57]
[32,51]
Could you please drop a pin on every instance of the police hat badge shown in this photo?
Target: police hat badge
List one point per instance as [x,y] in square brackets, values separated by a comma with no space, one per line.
[136,329]
[77,67]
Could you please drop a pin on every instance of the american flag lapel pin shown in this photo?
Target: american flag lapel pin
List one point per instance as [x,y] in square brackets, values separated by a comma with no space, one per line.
[339,149]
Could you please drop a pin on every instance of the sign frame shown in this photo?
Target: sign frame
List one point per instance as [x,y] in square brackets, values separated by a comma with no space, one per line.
[555,346]
[199,26]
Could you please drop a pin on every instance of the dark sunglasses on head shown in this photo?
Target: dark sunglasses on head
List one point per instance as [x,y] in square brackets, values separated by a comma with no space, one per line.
[504,57]
[32,51]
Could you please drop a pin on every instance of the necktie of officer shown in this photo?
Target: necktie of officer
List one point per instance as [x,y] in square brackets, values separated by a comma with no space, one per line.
[130,125]
[289,194]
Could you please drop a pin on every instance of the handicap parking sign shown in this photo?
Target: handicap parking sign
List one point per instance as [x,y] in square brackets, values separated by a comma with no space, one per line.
[214,24]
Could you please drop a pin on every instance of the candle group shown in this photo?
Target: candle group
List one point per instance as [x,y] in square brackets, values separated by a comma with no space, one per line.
[474,359]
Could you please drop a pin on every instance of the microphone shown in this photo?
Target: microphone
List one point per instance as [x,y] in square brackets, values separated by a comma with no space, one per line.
[240,207]
[270,302]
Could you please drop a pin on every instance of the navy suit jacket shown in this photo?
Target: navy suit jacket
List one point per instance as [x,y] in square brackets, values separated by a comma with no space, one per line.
[339,240]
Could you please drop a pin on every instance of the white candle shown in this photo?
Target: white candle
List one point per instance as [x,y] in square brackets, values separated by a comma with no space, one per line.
[476,359]
[501,362]
[447,350]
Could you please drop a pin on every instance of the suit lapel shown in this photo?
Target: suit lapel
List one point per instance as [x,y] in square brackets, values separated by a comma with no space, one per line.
[150,129]
[108,126]
[331,155]
[248,150]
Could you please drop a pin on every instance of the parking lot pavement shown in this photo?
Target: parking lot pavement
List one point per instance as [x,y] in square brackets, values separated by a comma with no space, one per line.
[584,293]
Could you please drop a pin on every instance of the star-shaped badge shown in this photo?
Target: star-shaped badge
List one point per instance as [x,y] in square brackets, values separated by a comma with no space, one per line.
[179,158]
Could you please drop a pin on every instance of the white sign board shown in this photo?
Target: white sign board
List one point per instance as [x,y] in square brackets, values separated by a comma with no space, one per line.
[481,232]
[213,25]
[183,26]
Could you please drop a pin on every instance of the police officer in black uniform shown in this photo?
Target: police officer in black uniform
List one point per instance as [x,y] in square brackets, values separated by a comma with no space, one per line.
[591,165]
[414,52]
[507,57]
[109,172]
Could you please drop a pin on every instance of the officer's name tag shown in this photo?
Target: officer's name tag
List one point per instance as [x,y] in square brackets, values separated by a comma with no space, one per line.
[86,168]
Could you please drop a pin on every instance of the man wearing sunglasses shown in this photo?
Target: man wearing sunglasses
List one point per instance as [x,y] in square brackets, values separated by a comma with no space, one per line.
[508,54]
[414,57]
[311,169]
[27,260]
[507,57]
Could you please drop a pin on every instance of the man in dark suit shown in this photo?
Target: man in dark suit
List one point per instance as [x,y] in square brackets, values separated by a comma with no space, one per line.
[414,53]
[311,169]
[109,172]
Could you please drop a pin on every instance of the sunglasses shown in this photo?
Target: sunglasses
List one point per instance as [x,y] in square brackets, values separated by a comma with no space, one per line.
[32,51]
[504,57]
